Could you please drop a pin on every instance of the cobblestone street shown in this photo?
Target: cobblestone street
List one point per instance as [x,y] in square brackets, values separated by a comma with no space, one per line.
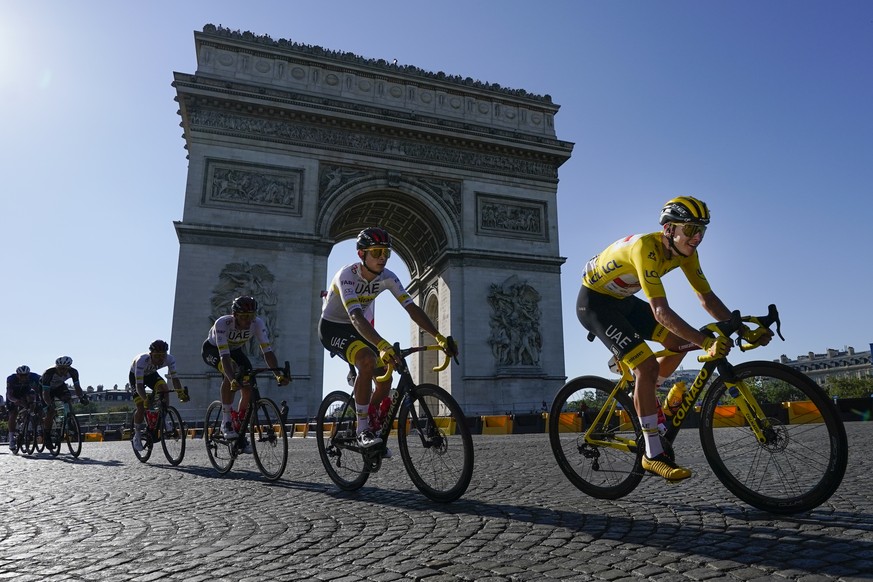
[108,517]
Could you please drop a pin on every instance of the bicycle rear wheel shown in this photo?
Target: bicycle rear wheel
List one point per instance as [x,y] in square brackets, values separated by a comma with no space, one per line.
[337,445]
[172,435]
[269,439]
[56,434]
[595,439]
[435,443]
[219,449]
[73,434]
[804,456]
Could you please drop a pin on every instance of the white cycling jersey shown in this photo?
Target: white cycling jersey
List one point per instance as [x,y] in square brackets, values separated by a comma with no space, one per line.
[349,291]
[143,366]
[225,336]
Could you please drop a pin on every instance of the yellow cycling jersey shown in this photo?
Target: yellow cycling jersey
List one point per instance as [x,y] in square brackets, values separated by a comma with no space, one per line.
[638,262]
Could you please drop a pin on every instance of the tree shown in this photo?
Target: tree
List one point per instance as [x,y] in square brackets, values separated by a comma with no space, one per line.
[849,387]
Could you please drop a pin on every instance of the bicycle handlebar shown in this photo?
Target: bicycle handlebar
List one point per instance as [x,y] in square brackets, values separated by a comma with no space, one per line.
[244,375]
[737,324]
[402,353]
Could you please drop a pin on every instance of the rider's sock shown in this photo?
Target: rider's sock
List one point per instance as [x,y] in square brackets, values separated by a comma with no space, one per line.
[361,410]
[653,437]
[225,413]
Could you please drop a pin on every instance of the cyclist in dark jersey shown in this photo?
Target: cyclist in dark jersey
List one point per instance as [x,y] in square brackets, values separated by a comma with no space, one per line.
[54,386]
[607,307]
[21,389]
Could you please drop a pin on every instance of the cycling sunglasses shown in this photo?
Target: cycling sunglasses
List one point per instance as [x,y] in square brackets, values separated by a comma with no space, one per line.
[377,253]
[690,230]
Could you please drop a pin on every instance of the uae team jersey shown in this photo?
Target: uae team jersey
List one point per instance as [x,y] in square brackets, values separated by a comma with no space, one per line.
[638,262]
[143,366]
[225,336]
[350,291]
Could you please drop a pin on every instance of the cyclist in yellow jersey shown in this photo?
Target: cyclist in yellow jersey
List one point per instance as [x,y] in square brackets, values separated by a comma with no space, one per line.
[607,307]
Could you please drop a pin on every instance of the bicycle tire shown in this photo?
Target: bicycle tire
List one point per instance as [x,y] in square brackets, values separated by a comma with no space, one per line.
[145,437]
[435,443]
[603,469]
[173,440]
[20,424]
[27,434]
[800,466]
[219,450]
[56,434]
[269,439]
[73,434]
[337,447]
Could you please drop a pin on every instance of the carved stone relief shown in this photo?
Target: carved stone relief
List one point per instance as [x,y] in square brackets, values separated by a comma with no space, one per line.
[274,189]
[256,280]
[501,216]
[515,323]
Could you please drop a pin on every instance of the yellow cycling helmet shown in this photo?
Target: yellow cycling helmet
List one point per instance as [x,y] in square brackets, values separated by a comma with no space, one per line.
[685,210]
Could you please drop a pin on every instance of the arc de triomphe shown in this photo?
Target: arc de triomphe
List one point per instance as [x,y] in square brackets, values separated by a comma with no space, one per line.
[293,148]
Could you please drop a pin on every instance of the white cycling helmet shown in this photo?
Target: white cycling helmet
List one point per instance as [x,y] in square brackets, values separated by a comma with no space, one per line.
[64,361]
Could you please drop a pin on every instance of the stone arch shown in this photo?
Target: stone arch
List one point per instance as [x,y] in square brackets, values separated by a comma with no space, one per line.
[293,148]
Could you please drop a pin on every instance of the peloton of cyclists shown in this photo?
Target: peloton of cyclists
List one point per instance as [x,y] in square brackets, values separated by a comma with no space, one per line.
[54,386]
[607,306]
[346,328]
[223,350]
[144,372]
[21,391]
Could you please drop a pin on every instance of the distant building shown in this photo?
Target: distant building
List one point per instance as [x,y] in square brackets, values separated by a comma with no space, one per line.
[833,364]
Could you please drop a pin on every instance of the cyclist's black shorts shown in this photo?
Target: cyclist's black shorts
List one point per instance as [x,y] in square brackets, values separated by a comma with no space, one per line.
[213,358]
[60,392]
[150,380]
[621,324]
[337,337]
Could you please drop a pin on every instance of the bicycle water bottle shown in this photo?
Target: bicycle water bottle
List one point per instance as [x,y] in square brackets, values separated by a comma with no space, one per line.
[674,398]
[235,419]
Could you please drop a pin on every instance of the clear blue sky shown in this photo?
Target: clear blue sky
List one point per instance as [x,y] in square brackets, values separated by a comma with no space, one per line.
[763,109]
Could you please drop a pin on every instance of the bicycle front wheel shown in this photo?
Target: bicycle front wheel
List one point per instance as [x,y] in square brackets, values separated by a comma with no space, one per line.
[172,435]
[435,443]
[219,449]
[269,439]
[145,438]
[27,434]
[803,457]
[73,434]
[595,438]
[337,445]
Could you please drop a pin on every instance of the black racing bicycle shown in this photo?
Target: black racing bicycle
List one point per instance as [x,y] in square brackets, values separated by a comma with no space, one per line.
[434,439]
[163,423]
[65,429]
[786,452]
[263,423]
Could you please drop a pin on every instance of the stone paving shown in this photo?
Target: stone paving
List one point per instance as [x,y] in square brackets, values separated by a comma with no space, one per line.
[108,517]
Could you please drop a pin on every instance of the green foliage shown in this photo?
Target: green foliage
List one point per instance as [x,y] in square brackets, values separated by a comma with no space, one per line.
[849,387]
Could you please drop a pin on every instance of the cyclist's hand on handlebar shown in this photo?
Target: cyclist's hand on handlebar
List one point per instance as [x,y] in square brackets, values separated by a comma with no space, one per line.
[716,347]
[234,385]
[447,344]
[387,355]
[83,399]
[282,380]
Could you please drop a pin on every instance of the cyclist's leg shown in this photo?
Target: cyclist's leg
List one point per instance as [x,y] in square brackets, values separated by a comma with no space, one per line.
[212,357]
[243,366]
[344,341]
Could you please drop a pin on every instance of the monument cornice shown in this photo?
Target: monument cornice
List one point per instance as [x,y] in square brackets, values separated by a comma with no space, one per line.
[232,236]
[220,93]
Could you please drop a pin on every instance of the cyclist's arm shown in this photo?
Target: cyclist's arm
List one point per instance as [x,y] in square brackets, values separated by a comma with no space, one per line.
[364,327]
[665,315]
[714,306]
[419,316]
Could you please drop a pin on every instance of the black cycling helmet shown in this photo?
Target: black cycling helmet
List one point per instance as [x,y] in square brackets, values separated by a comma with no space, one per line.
[244,304]
[374,236]
[685,210]
[159,346]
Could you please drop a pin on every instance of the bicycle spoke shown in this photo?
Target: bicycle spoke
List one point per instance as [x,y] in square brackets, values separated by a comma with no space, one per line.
[219,449]
[172,435]
[269,439]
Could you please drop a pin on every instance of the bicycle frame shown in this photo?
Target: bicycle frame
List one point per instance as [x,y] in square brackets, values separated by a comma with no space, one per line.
[250,379]
[738,390]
